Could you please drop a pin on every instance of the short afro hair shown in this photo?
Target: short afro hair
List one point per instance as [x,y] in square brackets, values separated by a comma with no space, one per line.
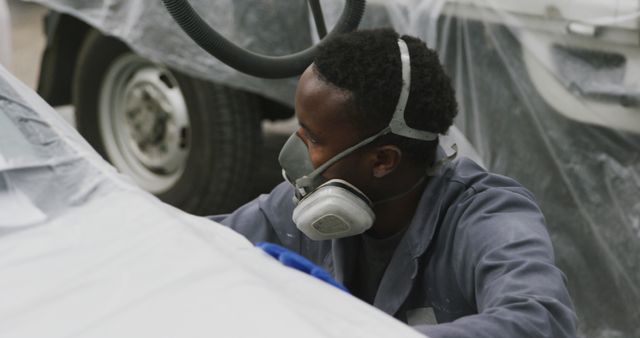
[367,64]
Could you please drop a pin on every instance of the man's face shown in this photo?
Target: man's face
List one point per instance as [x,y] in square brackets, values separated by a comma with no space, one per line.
[325,127]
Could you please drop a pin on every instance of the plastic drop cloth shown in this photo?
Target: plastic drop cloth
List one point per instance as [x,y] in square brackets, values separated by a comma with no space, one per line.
[548,94]
[83,253]
[5,34]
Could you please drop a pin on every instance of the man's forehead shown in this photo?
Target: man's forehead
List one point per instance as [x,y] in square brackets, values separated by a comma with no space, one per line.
[312,83]
[315,96]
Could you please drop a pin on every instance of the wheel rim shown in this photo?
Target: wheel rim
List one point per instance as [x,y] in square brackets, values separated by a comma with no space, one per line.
[144,122]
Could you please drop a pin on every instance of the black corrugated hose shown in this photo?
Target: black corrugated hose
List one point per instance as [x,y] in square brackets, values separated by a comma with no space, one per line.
[272,67]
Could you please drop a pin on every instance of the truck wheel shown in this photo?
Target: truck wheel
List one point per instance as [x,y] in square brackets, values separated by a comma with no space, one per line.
[190,142]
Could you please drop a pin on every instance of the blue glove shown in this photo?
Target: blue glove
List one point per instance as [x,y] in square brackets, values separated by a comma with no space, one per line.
[294,260]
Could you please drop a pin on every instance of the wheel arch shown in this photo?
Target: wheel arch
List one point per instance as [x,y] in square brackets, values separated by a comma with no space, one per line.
[64,35]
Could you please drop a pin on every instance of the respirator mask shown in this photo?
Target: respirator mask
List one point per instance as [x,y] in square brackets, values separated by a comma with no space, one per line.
[331,209]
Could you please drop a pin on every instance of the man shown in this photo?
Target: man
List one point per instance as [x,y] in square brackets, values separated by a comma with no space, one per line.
[376,202]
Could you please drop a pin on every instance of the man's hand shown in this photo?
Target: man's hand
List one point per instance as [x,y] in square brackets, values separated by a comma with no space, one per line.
[294,260]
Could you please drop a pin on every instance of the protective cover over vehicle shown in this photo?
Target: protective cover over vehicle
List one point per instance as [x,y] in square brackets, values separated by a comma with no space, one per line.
[84,253]
[548,94]
[5,34]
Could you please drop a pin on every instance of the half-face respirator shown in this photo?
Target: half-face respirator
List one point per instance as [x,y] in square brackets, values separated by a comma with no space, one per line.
[331,209]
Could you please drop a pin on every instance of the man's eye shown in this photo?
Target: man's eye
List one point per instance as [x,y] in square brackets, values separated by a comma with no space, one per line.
[309,138]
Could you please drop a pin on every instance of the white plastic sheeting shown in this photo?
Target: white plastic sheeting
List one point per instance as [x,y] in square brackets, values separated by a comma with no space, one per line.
[84,253]
[149,30]
[548,92]
[5,34]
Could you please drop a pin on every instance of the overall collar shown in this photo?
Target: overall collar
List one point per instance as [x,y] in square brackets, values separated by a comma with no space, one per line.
[399,276]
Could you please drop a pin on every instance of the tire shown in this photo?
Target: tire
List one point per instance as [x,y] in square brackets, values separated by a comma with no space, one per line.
[190,142]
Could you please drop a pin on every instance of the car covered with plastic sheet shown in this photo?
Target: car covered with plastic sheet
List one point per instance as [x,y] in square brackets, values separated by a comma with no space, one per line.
[548,94]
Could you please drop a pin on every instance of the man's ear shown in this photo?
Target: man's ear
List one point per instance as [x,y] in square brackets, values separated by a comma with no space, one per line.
[387,158]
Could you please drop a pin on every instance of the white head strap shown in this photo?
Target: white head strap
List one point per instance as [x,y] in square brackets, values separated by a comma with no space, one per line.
[398,124]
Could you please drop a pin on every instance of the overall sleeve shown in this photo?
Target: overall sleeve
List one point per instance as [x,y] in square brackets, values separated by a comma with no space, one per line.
[503,261]
[265,219]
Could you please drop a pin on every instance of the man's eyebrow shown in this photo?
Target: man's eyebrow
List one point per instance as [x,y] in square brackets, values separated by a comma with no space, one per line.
[307,129]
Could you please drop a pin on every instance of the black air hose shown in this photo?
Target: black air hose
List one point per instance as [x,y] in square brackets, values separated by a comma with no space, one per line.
[246,61]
